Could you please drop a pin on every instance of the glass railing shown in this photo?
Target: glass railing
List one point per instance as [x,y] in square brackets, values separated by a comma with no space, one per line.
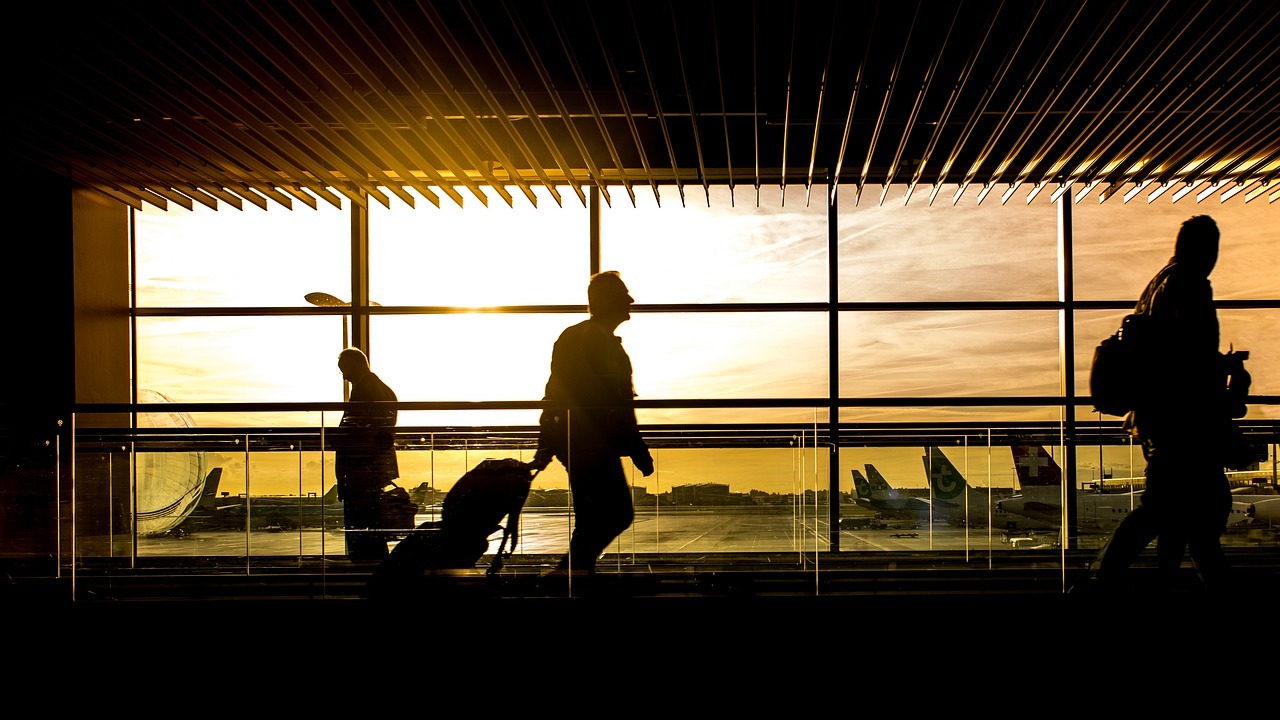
[173,498]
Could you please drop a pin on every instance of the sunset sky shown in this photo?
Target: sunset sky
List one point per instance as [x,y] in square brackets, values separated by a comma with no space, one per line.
[722,250]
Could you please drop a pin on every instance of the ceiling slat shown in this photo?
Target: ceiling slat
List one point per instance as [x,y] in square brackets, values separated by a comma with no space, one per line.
[193,143]
[688,94]
[627,112]
[655,97]
[891,84]
[214,106]
[549,86]
[917,105]
[786,114]
[822,94]
[1006,115]
[460,162]
[499,113]
[293,102]
[853,100]
[392,151]
[526,106]
[1033,82]
[589,98]
[1110,147]
[976,107]
[1083,143]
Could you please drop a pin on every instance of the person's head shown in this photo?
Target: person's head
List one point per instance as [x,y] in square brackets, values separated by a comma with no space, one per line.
[607,297]
[1197,244]
[353,363]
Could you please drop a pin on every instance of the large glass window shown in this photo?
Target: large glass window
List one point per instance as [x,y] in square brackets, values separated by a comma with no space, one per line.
[475,255]
[1119,246]
[726,249]
[949,353]
[911,251]
[249,257]
[241,359]
[675,356]
[437,275]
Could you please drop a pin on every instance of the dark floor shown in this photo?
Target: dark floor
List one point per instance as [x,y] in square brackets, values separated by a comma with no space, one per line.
[735,629]
[702,591]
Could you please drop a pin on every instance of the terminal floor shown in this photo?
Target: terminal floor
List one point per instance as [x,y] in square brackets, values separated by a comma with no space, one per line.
[681,613]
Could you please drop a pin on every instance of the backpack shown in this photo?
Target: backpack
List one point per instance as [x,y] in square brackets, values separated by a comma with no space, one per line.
[1117,377]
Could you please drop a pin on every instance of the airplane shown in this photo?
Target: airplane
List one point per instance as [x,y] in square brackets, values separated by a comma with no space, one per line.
[1265,511]
[223,512]
[960,503]
[170,485]
[873,492]
[1040,479]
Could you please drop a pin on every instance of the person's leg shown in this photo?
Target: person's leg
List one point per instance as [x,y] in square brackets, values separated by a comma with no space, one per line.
[1208,520]
[360,518]
[1171,546]
[602,510]
[1111,568]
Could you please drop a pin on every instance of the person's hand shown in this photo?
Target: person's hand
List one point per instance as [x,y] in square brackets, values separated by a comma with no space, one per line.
[540,460]
[644,463]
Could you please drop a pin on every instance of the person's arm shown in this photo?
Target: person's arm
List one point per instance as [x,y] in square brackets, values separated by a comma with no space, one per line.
[552,436]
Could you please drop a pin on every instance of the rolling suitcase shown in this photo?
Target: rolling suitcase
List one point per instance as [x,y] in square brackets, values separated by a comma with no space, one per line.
[473,509]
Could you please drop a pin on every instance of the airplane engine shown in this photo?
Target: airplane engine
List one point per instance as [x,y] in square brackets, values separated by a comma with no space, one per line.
[169,483]
[1265,511]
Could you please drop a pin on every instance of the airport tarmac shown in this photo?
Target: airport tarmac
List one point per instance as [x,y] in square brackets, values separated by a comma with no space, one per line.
[546,531]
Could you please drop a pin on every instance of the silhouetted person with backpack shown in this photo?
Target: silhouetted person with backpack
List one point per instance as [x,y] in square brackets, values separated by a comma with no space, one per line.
[365,456]
[1183,419]
[589,423]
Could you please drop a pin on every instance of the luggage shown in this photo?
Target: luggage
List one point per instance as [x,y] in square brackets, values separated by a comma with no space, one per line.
[1118,375]
[473,509]
[396,511]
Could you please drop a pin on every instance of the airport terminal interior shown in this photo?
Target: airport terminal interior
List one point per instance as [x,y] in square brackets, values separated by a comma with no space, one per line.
[872,248]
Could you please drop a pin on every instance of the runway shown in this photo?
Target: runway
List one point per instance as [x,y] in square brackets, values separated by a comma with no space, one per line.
[546,531]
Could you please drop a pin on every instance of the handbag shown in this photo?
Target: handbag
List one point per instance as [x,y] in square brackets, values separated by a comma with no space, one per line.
[396,511]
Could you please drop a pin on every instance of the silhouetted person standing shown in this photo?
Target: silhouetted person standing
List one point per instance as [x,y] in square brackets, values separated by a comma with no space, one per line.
[365,459]
[1183,420]
[589,423]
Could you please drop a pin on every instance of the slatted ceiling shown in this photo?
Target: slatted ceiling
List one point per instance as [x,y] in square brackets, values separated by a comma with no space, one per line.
[529,112]
[628,115]
[351,150]
[494,108]
[401,155]
[296,102]
[584,86]
[547,85]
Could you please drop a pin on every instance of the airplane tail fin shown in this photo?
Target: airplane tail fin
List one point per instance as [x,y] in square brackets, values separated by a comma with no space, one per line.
[879,488]
[944,478]
[860,485]
[330,496]
[1035,467]
[210,493]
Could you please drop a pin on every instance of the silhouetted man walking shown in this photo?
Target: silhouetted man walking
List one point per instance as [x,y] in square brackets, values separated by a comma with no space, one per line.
[365,459]
[590,423]
[1183,419]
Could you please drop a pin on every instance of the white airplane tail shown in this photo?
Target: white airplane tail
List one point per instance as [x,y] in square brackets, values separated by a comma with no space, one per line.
[1038,473]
